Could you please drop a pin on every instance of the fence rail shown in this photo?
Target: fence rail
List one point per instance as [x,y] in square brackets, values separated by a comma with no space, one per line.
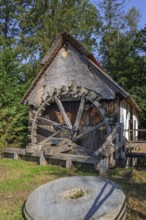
[135,135]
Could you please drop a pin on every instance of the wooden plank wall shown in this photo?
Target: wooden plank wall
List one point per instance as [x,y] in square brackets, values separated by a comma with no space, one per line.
[112,107]
[90,117]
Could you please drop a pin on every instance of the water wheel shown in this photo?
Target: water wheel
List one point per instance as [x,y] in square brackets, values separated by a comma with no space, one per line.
[71,112]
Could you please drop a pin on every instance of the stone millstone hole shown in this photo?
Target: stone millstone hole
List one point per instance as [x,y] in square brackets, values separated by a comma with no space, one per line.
[74,193]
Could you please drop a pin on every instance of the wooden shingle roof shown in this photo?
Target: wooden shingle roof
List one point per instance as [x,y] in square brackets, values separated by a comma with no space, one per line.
[78,65]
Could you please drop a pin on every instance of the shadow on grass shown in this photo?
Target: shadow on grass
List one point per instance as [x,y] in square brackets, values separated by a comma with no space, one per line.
[22,210]
[78,170]
[125,180]
[134,188]
[124,177]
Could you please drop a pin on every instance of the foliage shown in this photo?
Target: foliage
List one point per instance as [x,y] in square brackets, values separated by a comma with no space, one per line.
[138,89]
[42,22]
[12,115]
[9,24]
[27,30]
[122,51]
[18,179]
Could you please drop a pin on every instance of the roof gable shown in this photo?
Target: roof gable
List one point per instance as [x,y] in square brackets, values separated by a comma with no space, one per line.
[68,61]
[70,67]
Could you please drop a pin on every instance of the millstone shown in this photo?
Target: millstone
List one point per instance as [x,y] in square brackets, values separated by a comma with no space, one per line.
[76,198]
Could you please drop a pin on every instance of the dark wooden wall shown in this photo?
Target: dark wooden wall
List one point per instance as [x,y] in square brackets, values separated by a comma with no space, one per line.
[90,117]
[112,110]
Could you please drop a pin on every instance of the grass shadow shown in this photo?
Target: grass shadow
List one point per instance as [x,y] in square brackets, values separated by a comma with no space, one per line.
[133,183]
[22,210]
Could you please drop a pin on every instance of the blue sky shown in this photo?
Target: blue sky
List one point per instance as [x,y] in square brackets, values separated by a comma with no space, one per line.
[139,4]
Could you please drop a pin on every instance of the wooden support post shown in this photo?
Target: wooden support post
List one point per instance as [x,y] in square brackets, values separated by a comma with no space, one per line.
[116,155]
[112,161]
[122,134]
[103,167]
[122,154]
[117,141]
[69,164]
[134,162]
[127,162]
[43,161]
[97,166]
[16,156]
[122,157]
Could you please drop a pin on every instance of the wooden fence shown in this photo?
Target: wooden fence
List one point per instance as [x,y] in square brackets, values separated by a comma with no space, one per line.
[136,135]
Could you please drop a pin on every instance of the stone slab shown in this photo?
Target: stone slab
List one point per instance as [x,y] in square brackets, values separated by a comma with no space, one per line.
[102,200]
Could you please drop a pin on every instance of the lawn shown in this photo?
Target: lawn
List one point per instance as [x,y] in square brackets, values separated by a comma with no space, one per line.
[18,179]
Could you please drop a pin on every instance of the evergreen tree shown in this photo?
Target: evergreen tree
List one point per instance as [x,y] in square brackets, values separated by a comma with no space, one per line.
[110,31]
[27,30]
[131,20]
[123,53]
[9,23]
[42,21]
[138,90]
[13,117]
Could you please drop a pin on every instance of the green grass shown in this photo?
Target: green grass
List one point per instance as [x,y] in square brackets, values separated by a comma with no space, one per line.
[133,182]
[18,179]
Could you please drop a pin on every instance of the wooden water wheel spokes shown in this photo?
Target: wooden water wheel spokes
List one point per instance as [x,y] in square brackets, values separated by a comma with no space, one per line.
[79,114]
[63,112]
[55,124]
[86,133]
[63,131]
[65,127]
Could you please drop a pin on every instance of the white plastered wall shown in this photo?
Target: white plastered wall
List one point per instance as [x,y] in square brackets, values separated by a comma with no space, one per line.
[125,116]
[135,124]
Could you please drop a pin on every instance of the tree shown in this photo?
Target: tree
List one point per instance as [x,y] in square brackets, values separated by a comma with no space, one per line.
[13,117]
[111,14]
[117,26]
[110,31]
[27,30]
[42,21]
[9,24]
[123,51]
[138,90]
[130,20]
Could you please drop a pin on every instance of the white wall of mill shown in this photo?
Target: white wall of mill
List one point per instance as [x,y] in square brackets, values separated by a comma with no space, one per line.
[125,116]
[136,120]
